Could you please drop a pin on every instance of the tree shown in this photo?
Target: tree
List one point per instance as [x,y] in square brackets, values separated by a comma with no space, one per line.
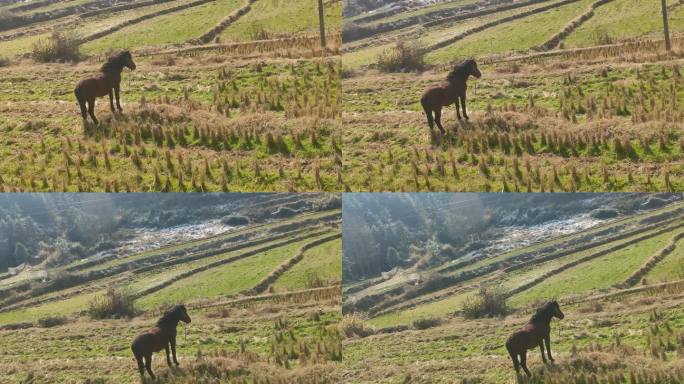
[321,22]
[666,26]
[21,254]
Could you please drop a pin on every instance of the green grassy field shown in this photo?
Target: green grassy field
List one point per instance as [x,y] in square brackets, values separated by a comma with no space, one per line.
[671,267]
[599,274]
[523,93]
[322,262]
[517,35]
[290,338]
[257,116]
[427,339]
[589,344]
[176,27]
[221,281]
[637,18]
[274,18]
[578,276]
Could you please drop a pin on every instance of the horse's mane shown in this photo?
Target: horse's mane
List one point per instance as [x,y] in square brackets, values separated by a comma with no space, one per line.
[170,317]
[460,70]
[114,63]
[543,312]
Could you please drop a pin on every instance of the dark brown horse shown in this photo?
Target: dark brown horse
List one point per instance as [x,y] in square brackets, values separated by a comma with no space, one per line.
[534,334]
[161,336]
[448,92]
[108,82]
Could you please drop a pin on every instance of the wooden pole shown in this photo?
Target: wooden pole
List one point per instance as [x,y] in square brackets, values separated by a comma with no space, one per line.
[666,26]
[321,22]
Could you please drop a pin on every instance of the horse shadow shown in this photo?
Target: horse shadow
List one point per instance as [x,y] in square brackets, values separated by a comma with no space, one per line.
[104,126]
[449,136]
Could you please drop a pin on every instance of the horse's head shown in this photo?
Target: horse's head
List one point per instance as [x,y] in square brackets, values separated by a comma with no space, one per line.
[128,60]
[472,68]
[555,308]
[173,315]
[183,314]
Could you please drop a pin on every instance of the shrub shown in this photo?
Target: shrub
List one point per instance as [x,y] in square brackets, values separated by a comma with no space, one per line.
[426,322]
[258,32]
[51,321]
[601,37]
[4,62]
[15,326]
[487,303]
[354,325]
[113,304]
[313,280]
[604,213]
[58,47]
[402,58]
[7,17]
[235,220]
[591,307]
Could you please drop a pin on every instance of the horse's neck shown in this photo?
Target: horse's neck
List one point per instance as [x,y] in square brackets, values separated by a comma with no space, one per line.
[170,329]
[458,81]
[114,74]
[543,321]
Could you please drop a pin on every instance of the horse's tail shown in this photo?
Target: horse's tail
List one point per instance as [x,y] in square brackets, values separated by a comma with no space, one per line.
[428,111]
[78,93]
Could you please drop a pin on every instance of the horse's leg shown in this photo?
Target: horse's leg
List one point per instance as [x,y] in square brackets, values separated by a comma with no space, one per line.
[91,109]
[148,365]
[117,88]
[111,100]
[463,104]
[84,110]
[173,350]
[458,112]
[547,339]
[541,349]
[168,358]
[141,365]
[516,363]
[438,119]
[428,113]
[523,363]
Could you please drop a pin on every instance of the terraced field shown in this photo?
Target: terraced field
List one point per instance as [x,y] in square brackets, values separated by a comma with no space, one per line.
[213,105]
[258,310]
[585,72]
[619,284]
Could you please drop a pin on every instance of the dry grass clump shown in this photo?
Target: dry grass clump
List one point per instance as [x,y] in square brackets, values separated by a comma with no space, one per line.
[426,322]
[51,321]
[355,326]
[113,304]
[58,47]
[487,303]
[402,58]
